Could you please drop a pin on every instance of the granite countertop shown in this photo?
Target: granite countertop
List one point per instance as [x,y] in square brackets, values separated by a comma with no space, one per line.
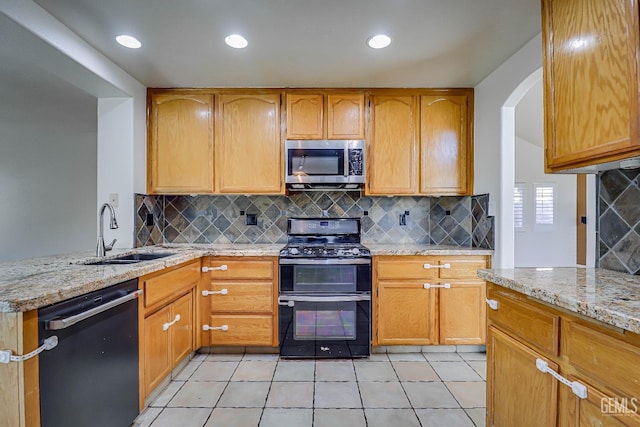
[417,249]
[604,295]
[37,282]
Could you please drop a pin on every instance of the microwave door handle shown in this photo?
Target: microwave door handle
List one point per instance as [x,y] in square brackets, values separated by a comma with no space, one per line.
[346,163]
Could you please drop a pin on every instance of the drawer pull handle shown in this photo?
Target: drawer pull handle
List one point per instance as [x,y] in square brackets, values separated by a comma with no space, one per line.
[223,267]
[430,286]
[493,304]
[220,292]
[215,328]
[427,266]
[578,389]
[170,324]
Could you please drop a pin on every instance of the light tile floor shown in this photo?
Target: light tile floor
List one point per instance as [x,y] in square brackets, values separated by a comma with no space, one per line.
[401,390]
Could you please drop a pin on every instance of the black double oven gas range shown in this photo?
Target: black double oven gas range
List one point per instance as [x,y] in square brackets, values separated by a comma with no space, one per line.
[325,290]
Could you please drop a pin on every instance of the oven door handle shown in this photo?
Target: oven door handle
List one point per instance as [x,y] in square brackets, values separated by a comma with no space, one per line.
[291,300]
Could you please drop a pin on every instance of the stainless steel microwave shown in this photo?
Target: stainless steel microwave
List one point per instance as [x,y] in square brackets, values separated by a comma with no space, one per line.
[313,164]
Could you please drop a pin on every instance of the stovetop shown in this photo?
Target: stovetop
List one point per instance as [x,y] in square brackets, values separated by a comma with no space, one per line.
[355,250]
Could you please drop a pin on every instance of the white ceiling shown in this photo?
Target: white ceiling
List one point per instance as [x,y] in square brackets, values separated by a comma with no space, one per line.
[530,117]
[305,43]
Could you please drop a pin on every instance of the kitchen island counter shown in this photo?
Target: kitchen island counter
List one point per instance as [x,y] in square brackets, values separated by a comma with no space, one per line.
[604,295]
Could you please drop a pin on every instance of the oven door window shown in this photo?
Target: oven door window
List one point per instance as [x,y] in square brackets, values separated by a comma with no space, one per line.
[324,321]
[325,278]
[316,162]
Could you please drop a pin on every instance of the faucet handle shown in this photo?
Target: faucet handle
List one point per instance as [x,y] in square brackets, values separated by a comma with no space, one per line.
[110,245]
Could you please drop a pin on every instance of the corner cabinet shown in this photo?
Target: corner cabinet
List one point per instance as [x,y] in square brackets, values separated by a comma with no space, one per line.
[591,69]
[527,340]
[325,115]
[239,300]
[424,300]
[446,144]
[180,143]
[248,146]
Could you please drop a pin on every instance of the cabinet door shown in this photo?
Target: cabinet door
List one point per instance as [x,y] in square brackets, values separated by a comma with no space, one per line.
[445,145]
[248,144]
[462,314]
[157,360]
[406,314]
[518,393]
[600,409]
[590,59]
[345,116]
[392,145]
[180,150]
[305,116]
[243,330]
[182,330]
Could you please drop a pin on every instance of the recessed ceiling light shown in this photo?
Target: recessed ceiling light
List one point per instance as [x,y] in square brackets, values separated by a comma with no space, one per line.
[379,41]
[128,41]
[236,41]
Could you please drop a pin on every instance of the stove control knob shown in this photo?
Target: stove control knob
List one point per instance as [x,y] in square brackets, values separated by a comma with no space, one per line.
[355,251]
[294,251]
[324,251]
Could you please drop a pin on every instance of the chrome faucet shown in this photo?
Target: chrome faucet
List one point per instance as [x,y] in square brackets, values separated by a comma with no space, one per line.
[113,224]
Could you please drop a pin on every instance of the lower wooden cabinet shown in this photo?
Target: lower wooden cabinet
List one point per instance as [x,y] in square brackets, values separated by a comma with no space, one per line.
[425,300]
[167,333]
[602,362]
[238,301]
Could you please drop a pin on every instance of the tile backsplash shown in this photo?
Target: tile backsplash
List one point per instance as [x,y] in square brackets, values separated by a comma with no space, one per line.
[619,220]
[459,221]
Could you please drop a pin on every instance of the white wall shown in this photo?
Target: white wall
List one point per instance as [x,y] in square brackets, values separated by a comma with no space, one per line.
[121,112]
[47,172]
[555,247]
[490,95]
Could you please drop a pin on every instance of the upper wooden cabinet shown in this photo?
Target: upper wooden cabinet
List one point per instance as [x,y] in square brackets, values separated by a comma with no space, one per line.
[446,144]
[393,149]
[325,116]
[590,58]
[248,145]
[180,148]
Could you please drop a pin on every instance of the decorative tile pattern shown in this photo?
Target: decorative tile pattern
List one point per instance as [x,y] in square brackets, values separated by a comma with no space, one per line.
[619,221]
[222,219]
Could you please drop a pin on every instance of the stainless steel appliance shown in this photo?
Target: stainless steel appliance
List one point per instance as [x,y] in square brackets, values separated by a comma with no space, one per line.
[325,290]
[322,164]
[91,377]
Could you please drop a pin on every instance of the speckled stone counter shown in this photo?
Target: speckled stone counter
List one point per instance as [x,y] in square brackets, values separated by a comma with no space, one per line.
[604,295]
[33,283]
[416,249]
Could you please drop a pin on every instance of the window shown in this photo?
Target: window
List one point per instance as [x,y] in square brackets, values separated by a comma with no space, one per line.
[544,205]
[518,206]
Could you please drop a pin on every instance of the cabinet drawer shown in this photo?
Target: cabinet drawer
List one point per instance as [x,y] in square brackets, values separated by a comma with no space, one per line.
[240,269]
[535,325]
[604,358]
[241,297]
[242,330]
[462,268]
[164,286]
[407,267]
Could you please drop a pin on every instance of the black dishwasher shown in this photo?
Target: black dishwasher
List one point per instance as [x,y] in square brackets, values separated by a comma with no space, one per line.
[91,377]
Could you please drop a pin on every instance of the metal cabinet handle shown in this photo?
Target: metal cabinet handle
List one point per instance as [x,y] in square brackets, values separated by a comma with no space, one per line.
[493,304]
[223,267]
[215,328]
[429,286]
[427,266]
[220,292]
[578,389]
[170,324]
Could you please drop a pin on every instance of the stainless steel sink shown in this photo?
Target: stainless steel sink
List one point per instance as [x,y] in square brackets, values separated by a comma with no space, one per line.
[131,258]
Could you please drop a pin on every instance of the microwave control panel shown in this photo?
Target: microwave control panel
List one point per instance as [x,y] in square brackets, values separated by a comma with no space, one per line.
[355,161]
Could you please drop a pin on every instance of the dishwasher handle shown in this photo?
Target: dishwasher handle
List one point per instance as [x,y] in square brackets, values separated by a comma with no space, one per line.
[57,324]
